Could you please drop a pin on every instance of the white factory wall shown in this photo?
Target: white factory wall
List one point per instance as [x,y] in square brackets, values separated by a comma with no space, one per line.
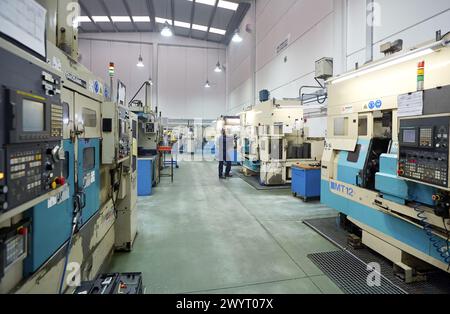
[315,29]
[176,65]
[414,21]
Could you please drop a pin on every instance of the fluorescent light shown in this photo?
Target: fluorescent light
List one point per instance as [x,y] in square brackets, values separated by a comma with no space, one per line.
[200,27]
[222,4]
[182,24]
[228,5]
[162,20]
[83,19]
[207,2]
[217,31]
[383,65]
[166,31]
[145,19]
[100,19]
[120,19]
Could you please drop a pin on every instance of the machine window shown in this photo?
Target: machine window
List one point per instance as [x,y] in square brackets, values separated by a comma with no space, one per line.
[341,126]
[89,118]
[33,117]
[88,159]
[354,156]
[362,126]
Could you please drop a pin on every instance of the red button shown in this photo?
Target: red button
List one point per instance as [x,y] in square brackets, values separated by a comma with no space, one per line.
[60,181]
[22,231]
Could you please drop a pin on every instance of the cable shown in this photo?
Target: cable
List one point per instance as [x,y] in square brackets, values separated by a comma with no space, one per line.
[435,241]
[118,191]
[77,206]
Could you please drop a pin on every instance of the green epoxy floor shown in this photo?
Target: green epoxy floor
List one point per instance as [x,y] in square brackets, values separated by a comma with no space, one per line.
[204,235]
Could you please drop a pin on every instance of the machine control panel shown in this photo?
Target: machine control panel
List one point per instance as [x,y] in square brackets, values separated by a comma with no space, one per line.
[424,150]
[124,134]
[31,131]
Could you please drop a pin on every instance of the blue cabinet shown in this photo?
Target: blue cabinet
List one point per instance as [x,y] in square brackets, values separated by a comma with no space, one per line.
[145,176]
[305,182]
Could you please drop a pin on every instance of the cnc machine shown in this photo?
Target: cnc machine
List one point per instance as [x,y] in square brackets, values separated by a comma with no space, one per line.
[386,158]
[57,184]
[276,136]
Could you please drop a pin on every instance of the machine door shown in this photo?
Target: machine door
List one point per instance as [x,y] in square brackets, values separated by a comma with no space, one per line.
[87,116]
[88,163]
[343,132]
[52,219]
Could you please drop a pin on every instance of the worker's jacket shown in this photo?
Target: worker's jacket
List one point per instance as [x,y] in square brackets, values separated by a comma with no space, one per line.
[226,146]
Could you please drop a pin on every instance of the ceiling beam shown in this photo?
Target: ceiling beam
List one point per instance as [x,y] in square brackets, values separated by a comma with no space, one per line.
[236,21]
[108,14]
[151,12]
[83,7]
[127,8]
[211,19]
[192,17]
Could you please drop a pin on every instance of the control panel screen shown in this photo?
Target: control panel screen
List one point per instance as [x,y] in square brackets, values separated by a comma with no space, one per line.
[424,150]
[409,136]
[33,116]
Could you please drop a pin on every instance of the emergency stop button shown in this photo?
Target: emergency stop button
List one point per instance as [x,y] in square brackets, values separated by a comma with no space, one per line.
[60,181]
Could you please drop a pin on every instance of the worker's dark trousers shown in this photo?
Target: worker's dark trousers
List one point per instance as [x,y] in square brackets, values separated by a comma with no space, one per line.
[227,170]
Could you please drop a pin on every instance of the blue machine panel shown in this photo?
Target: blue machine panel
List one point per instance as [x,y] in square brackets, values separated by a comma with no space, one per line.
[348,170]
[394,227]
[252,165]
[89,176]
[51,226]
[145,177]
[397,189]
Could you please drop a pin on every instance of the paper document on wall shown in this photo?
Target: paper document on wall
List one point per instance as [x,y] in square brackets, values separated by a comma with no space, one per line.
[24,21]
[410,104]
[287,129]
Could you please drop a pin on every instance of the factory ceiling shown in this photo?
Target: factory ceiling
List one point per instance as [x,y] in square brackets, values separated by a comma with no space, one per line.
[212,20]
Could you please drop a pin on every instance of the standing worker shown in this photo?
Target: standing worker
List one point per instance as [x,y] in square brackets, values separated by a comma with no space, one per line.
[224,149]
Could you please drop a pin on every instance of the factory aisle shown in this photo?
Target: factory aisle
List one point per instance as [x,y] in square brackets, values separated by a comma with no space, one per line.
[204,235]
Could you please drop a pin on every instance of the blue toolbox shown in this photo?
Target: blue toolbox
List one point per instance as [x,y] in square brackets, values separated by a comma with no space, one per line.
[306,181]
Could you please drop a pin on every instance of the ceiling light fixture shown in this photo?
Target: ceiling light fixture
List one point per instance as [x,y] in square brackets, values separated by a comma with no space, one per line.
[166,31]
[83,19]
[217,31]
[218,68]
[137,19]
[140,63]
[207,85]
[221,4]
[182,24]
[200,27]
[119,19]
[236,37]
[100,19]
